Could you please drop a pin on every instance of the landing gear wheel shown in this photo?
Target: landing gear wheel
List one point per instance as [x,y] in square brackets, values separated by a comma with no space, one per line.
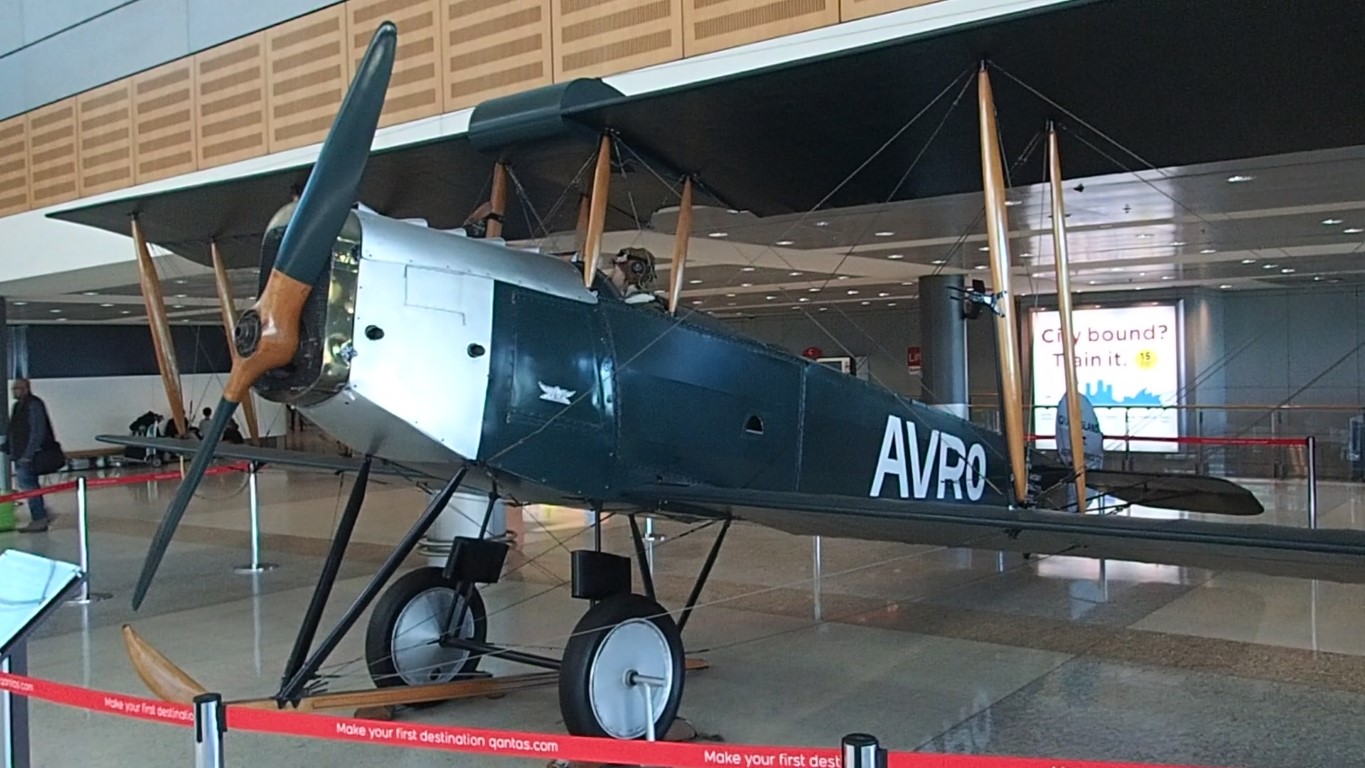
[403,640]
[623,648]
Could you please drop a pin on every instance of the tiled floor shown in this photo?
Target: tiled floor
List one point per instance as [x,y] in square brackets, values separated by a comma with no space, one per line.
[943,650]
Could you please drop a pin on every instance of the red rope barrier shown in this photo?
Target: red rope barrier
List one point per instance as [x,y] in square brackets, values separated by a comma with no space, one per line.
[508,743]
[110,482]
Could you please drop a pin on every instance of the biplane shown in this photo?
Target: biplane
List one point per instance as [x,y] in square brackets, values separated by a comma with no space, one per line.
[457,355]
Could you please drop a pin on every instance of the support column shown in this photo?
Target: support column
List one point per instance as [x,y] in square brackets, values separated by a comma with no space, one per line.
[5,478]
[943,343]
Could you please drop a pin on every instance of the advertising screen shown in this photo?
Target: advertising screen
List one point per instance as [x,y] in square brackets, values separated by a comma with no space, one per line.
[1128,362]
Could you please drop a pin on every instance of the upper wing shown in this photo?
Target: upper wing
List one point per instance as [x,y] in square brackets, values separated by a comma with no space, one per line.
[1333,555]
[260,455]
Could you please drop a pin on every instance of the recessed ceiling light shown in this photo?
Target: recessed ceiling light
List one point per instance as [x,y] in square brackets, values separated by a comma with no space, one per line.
[1167,277]
[729,295]
[731,210]
[1238,179]
[1011,203]
[824,309]
[769,298]
[181,281]
[784,242]
[697,301]
[89,293]
[1208,250]
[180,295]
[746,285]
[864,303]
[1269,266]
[125,311]
[822,223]
[908,282]
[813,290]
[694,281]
[984,249]
[804,298]
[1317,277]
[890,303]
[1248,261]
[1092,282]
[1352,231]
[21,303]
[896,256]
[1331,222]
[938,261]
[1225,286]
[1287,270]
[852,292]
[177,306]
[843,277]
[884,233]
[719,234]
[55,311]
[746,269]
[1177,243]
[793,274]
[106,306]
[980,266]
[883,294]
[61,319]
[1145,235]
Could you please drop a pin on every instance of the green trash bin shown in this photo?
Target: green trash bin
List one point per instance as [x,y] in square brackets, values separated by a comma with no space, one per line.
[7,522]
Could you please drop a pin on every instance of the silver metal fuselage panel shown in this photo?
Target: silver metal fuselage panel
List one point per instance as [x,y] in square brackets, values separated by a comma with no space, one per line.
[421,344]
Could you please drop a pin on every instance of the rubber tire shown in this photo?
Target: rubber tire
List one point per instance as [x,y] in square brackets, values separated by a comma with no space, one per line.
[576,668]
[379,632]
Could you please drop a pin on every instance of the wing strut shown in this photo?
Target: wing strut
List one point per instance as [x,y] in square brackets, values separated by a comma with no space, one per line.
[597,211]
[998,237]
[161,328]
[220,278]
[1073,398]
[680,240]
[498,200]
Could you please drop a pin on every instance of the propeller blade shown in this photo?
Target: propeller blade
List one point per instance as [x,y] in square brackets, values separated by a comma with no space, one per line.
[221,416]
[267,335]
[332,186]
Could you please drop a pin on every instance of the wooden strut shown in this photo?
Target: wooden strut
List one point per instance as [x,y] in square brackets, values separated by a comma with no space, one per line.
[498,200]
[998,238]
[229,310]
[1059,248]
[171,683]
[597,211]
[160,325]
[680,241]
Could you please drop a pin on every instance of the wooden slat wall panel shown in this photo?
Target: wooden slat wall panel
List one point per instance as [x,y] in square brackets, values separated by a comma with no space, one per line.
[163,121]
[52,153]
[14,165]
[105,128]
[711,25]
[308,70]
[601,37]
[415,86]
[493,48]
[859,9]
[229,102]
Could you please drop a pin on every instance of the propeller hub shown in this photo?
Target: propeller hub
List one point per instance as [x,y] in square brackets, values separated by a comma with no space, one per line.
[246,335]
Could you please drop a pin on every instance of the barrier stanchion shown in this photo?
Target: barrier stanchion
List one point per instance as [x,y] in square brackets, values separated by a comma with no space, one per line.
[254,499]
[861,750]
[1311,446]
[816,576]
[210,723]
[14,751]
[85,597]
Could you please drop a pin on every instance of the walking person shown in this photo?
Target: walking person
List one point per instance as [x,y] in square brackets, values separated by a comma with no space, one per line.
[30,431]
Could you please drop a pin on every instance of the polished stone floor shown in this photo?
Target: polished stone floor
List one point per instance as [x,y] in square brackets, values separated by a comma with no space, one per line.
[930,649]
